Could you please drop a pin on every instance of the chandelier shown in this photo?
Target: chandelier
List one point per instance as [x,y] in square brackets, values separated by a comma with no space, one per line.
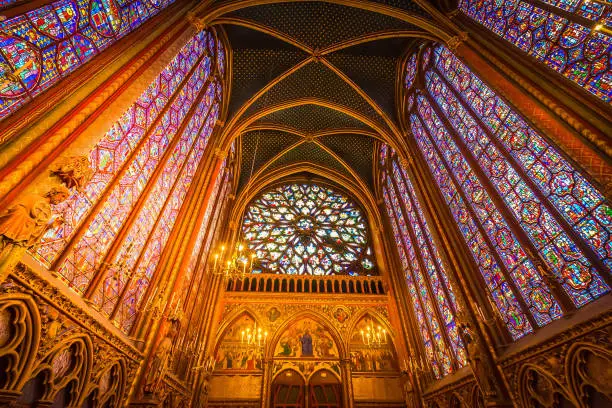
[233,265]
[253,337]
[374,337]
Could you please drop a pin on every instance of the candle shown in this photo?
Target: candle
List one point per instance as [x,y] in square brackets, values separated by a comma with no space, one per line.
[216,259]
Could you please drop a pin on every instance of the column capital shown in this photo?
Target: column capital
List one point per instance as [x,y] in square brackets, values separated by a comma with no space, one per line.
[196,22]
[220,154]
[455,42]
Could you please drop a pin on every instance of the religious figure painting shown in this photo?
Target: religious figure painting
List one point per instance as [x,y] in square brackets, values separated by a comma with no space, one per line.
[306,339]
[233,354]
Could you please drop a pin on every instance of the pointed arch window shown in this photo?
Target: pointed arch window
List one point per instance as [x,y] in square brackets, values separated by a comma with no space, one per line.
[537,229]
[44,45]
[117,227]
[571,37]
[431,293]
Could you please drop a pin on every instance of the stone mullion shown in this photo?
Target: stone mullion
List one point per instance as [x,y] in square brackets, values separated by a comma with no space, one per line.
[192,217]
[215,288]
[418,300]
[205,323]
[171,253]
[191,304]
[429,246]
[191,203]
[463,279]
[423,267]
[78,105]
[201,260]
[406,311]
[159,169]
[139,259]
[517,293]
[84,224]
[525,241]
[578,128]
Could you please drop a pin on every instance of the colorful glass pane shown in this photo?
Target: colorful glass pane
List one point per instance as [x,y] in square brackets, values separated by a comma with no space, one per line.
[156,217]
[434,268]
[573,50]
[440,347]
[44,45]
[308,229]
[535,292]
[150,255]
[576,274]
[500,291]
[411,69]
[126,137]
[84,257]
[416,304]
[581,204]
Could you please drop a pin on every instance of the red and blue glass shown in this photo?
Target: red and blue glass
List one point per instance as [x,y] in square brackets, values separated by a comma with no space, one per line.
[577,52]
[134,143]
[434,268]
[416,302]
[500,290]
[442,352]
[44,45]
[85,256]
[578,201]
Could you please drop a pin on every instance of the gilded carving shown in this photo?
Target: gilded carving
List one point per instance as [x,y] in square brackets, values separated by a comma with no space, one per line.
[73,172]
[26,221]
[196,22]
[162,359]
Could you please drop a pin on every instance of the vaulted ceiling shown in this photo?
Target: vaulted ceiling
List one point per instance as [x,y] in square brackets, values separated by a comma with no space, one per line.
[314,82]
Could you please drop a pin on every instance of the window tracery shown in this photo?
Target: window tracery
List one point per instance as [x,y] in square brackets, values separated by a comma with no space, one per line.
[537,229]
[432,296]
[308,229]
[565,37]
[41,46]
[143,165]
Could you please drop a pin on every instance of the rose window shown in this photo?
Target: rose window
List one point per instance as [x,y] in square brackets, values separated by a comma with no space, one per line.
[307,229]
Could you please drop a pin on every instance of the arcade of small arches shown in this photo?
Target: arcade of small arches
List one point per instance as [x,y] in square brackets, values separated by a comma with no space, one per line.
[305,204]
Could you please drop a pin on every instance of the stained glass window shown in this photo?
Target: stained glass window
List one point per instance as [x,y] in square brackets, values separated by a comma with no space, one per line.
[40,47]
[146,161]
[521,207]
[307,229]
[430,290]
[564,42]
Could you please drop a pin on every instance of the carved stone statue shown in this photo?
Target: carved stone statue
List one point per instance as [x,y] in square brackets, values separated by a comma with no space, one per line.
[480,368]
[24,223]
[161,361]
[73,172]
[408,391]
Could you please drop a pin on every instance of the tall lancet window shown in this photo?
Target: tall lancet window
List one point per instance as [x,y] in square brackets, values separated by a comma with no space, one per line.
[431,293]
[538,230]
[44,45]
[117,227]
[570,37]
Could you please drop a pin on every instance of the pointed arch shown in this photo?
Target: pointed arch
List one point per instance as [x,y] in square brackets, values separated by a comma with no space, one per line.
[320,318]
